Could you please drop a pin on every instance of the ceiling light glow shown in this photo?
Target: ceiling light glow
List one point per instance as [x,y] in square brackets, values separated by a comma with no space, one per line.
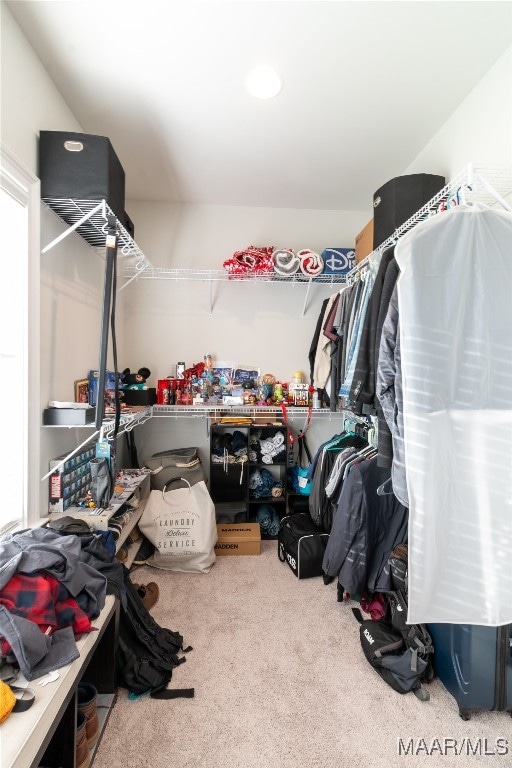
[263,83]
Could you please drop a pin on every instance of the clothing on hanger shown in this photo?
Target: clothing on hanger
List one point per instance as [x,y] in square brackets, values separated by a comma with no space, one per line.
[365,529]
[362,390]
[355,337]
[390,394]
[454,295]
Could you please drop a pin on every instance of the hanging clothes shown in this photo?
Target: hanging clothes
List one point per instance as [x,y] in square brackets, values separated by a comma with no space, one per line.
[340,325]
[455,299]
[362,390]
[355,333]
[321,504]
[314,342]
[322,365]
[385,444]
[365,529]
[390,394]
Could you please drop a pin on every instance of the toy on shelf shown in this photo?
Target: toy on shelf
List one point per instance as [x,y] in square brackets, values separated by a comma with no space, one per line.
[135,380]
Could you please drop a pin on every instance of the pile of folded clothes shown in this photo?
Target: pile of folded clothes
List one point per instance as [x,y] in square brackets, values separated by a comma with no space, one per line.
[269,450]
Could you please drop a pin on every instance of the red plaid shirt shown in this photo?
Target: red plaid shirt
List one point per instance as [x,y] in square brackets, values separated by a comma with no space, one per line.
[45,601]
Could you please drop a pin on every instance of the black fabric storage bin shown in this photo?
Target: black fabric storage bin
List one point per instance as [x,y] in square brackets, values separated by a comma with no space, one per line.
[128,225]
[139,396]
[399,199]
[79,166]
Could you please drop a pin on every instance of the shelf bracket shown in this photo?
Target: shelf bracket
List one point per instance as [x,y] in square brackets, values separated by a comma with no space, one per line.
[97,209]
[69,455]
[124,285]
[210,284]
[307,296]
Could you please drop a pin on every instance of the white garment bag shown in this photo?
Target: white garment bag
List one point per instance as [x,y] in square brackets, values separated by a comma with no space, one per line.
[455,300]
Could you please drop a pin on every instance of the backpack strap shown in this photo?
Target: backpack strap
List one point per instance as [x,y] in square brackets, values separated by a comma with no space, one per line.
[176,693]
[290,434]
[303,446]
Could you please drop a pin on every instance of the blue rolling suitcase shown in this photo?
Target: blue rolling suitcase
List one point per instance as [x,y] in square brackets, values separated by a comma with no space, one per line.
[474,663]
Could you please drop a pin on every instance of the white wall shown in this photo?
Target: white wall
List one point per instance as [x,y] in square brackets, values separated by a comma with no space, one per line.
[261,323]
[479,130]
[29,99]
[71,273]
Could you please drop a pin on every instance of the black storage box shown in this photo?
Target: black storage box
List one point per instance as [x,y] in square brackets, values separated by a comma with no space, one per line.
[399,199]
[79,166]
[139,396]
[128,225]
[68,416]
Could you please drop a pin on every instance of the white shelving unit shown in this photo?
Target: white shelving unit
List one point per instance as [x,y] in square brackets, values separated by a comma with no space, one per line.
[99,517]
[250,411]
[128,422]
[50,723]
[88,219]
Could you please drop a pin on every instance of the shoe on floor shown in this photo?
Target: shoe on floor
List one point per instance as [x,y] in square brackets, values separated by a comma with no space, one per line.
[87,697]
[82,748]
[145,551]
[148,593]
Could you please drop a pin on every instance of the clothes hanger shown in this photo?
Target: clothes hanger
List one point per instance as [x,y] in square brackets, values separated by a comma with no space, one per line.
[386,488]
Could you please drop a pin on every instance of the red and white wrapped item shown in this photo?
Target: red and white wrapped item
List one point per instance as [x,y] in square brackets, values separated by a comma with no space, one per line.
[251,261]
[311,263]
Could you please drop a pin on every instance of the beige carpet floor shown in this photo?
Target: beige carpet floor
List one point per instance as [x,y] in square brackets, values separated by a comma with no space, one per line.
[281,682]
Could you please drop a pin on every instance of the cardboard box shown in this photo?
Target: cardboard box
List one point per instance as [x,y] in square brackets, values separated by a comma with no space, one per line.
[238,539]
[364,242]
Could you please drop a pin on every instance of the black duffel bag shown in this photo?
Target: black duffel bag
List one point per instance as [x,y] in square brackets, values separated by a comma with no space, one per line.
[302,545]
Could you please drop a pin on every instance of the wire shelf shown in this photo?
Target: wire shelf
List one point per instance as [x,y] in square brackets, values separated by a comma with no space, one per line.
[127,422]
[489,186]
[254,411]
[220,275]
[89,219]
[473,184]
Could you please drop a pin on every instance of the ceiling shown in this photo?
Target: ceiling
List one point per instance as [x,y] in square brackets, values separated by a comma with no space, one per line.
[365,87]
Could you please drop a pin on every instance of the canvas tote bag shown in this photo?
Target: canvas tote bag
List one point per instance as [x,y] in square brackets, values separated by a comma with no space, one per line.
[180,523]
[180,463]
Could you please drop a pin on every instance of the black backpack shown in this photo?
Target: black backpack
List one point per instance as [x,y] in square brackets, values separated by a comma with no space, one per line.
[401,653]
[147,653]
